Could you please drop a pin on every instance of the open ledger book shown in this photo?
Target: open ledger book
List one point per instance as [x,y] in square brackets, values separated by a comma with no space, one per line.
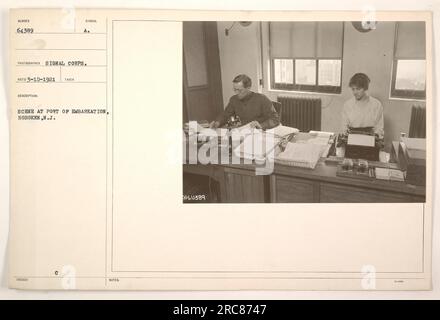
[300,155]
[257,144]
[96,172]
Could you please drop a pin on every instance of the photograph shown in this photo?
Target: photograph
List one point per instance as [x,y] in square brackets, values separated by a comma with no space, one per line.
[304,111]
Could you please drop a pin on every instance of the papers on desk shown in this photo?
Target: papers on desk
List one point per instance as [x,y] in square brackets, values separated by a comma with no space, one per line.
[319,138]
[210,133]
[306,149]
[361,140]
[414,143]
[246,129]
[321,134]
[194,126]
[282,131]
[389,174]
[304,152]
[279,131]
[256,146]
[303,155]
[415,148]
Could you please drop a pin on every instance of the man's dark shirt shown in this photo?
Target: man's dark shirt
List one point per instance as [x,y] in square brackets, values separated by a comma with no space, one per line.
[253,107]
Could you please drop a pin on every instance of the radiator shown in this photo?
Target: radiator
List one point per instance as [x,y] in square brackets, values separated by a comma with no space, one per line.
[301,112]
[417,125]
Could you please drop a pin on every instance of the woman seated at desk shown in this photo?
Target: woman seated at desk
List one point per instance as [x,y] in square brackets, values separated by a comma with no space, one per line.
[362,110]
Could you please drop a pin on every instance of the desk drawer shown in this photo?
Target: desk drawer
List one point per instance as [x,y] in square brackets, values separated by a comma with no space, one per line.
[340,194]
[243,186]
[291,190]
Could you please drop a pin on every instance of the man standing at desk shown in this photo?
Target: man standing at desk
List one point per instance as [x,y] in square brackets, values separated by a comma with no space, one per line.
[251,107]
[362,110]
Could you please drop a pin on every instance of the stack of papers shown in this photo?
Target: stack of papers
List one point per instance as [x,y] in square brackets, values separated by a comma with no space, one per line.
[415,147]
[212,133]
[389,174]
[279,131]
[195,126]
[245,130]
[282,131]
[319,138]
[322,141]
[414,143]
[303,155]
[256,146]
[321,134]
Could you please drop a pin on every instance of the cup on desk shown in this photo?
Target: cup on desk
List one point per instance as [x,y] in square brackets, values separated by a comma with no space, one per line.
[340,151]
[384,156]
[347,164]
[362,166]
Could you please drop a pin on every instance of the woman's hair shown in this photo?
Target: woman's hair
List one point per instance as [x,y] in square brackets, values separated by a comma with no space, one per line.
[359,80]
[247,82]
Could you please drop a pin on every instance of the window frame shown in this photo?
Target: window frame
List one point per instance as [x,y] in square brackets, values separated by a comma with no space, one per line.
[304,87]
[405,94]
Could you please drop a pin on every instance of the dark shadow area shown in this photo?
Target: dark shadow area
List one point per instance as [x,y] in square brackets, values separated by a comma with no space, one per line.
[200,189]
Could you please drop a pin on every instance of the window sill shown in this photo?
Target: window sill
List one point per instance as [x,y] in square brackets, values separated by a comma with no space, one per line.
[407,99]
[302,92]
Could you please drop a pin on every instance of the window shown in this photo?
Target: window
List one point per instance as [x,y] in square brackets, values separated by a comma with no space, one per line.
[305,72]
[409,64]
[283,71]
[306,56]
[329,73]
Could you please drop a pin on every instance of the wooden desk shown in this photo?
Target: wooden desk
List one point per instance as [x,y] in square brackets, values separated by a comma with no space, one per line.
[238,183]
[290,184]
[286,184]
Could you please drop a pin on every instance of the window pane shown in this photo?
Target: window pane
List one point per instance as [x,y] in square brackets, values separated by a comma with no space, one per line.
[283,71]
[329,73]
[305,72]
[410,75]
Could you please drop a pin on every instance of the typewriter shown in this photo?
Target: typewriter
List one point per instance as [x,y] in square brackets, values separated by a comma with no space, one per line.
[361,143]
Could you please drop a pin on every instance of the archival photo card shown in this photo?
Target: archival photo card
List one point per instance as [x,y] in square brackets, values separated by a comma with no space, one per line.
[220,150]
